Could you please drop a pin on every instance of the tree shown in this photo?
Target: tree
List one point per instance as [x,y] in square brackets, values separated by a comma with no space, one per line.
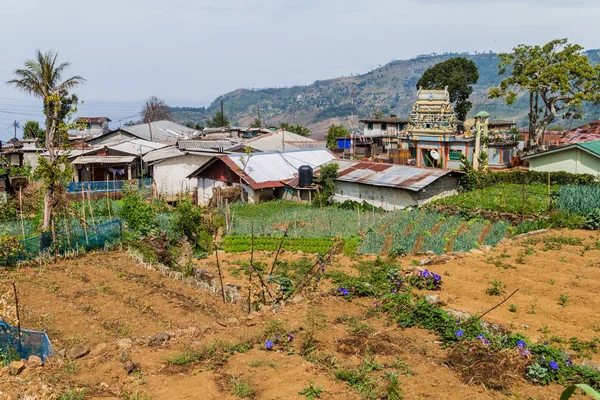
[297,129]
[327,177]
[335,131]
[31,130]
[257,123]
[41,77]
[218,120]
[194,125]
[458,74]
[558,78]
[155,109]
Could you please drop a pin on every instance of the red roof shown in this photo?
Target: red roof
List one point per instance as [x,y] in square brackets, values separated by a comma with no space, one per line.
[585,133]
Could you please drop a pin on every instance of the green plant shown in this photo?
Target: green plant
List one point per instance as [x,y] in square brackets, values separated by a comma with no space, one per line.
[312,392]
[241,388]
[592,220]
[563,300]
[313,322]
[496,288]
[137,212]
[587,389]
[512,308]
[73,394]
[392,389]
[135,396]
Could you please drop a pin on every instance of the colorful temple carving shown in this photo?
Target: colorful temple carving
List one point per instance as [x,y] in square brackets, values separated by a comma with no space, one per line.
[432,113]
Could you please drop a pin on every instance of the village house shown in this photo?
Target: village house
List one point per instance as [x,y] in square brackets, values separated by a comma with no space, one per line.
[116,162]
[279,140]
[23,152]
[576,158]
[170,166]
[157,131]
[391,186]
[262,176]
[92,126]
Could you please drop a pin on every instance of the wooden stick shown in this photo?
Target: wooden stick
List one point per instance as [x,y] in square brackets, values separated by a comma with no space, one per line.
[219,266]
[21,209]
[279,249]
[83,214]
[18,314]
[498,305]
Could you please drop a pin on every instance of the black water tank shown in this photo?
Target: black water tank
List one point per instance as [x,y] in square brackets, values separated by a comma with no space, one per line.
[305,176]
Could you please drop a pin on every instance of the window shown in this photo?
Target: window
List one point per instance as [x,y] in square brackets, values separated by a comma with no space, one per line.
[370,126]
[384,127]
[455,155]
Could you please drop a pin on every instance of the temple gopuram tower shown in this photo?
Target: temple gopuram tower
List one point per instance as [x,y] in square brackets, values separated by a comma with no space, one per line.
[432,114]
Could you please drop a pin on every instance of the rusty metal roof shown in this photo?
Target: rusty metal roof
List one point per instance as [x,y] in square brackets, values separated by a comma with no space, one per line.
[389,175]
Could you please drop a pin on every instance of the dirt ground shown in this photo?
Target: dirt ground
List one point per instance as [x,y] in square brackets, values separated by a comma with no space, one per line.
[103,297]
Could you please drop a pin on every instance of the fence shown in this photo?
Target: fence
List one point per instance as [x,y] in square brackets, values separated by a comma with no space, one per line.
[17,344]
[106,186]
[79,239]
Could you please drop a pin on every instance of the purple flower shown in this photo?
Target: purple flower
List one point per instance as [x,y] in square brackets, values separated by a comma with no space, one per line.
[460,333]
[554,365]
[343,291]
[277,337]
[393,292]
[290,337]
[437,278]
[525,353]
[268,345]
[521,344]
[569,363]
[420,273]
[486,342]
[426,273]
[481,336]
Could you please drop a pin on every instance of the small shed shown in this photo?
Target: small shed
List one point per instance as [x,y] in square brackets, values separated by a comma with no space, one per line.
[577,158]
[392,186]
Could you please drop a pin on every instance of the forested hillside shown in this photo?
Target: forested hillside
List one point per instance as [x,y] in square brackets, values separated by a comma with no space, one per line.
[390,88]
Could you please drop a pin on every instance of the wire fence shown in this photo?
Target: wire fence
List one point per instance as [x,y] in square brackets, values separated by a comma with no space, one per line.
[106,186]
[68,240]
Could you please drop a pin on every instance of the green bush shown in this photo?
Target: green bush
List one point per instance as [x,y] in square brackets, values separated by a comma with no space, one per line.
[592,220]
[137,213]
[529,177]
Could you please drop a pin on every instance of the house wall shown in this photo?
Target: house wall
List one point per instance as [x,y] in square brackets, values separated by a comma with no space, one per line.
[32,159]
[391,129]
[394,198]
[206,187]
[573,160]
[171,174]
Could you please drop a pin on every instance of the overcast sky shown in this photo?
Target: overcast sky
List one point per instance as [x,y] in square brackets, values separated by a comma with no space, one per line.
[190,51]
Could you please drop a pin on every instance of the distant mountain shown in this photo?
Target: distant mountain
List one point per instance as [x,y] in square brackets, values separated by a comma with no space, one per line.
[390,88]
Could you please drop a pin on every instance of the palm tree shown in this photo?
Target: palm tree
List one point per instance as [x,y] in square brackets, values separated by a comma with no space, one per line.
[41,77]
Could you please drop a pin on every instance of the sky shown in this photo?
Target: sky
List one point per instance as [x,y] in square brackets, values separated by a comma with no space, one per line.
[188,52]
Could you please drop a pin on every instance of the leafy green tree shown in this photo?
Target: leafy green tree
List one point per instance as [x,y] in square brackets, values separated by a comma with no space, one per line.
[458,74]
[558,77]
[378,114]
[257,123]
[194,125]
[326,179]
[335,131]
[218,120]
[41,77]
[32,130]
[297,129]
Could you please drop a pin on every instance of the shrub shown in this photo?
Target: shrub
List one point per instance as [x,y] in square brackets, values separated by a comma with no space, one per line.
[592,220]
[528,177]
[426,280]
[10,250]
[496,288]
[189,220]
[138,213]
[579,199]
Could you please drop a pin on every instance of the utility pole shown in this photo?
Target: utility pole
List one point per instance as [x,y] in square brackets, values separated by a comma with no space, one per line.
[259,120]
[16,125]
[222,115]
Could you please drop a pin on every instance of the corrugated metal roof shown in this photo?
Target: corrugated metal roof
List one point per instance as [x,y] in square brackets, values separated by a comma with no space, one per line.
[171,152]
[279,140]
[594,147]
[91,120]
[206,144]
[278,166]
[81,160]
[389,175]
[161,131]
[136,145]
